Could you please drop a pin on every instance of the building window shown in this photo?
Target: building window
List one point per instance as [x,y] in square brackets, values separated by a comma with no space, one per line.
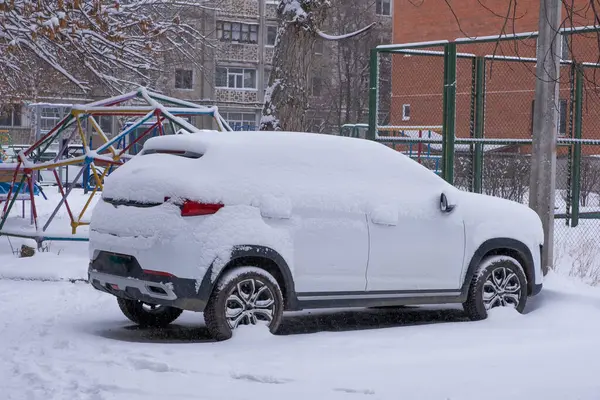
[383,7]
[237,32]
[10,115]
[271,35]
[317,86]
[267,76]
[562,117]
[235,78]
[564,47]
[240,121]
[50,117]
[106,124]
[224,31]
[183,78]
[405,112]
[318,47]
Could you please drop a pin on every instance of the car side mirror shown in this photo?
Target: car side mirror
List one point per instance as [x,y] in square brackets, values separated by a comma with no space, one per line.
[445,205]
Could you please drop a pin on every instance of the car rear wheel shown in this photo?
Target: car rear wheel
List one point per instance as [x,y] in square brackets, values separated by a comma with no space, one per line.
[244,296]
[498,282]
[150,315]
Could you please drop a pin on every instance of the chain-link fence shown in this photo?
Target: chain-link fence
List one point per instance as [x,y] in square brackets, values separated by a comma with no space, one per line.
[465,110]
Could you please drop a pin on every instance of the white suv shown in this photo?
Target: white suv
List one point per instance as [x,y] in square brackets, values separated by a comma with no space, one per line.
[245,225]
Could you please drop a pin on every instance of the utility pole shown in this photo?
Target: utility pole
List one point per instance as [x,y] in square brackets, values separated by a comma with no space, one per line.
[542,183]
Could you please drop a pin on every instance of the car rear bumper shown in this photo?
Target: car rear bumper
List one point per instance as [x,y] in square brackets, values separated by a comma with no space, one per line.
[122,276]
[159,237]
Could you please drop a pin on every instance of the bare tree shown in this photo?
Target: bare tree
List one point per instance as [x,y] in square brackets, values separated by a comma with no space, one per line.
[113,42]
[287,95]
[344,96]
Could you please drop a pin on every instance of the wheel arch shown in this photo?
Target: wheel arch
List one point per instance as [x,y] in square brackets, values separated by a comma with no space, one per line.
[505,247]
[264,258]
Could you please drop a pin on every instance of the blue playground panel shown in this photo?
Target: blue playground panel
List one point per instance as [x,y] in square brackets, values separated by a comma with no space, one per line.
[242,127]
[5,188]
[425,155]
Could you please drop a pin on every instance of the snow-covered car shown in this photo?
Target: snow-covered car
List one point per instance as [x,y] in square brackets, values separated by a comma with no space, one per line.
[245,225]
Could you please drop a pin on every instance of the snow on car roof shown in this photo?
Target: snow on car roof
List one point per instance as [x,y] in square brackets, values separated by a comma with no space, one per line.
[304,150]
[301,169]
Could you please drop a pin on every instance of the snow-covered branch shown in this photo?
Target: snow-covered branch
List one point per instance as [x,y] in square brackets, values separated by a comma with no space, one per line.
[347,35]
[80,39]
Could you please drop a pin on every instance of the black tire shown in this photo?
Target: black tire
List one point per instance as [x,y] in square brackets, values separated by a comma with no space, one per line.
[239,280]
[159,317]
[491,271]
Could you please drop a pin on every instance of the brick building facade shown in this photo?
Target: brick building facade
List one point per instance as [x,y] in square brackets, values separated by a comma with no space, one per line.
[417,80]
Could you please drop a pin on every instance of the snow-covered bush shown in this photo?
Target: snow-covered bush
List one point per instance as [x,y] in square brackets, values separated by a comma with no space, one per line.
[505,175]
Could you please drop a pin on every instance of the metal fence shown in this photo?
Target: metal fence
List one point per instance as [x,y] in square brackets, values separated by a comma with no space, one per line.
[467,107]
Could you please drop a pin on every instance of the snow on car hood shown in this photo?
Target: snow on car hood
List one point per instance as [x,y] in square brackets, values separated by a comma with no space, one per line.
[494,217]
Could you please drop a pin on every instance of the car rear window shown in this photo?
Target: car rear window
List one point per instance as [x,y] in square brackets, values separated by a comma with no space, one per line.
[180,153]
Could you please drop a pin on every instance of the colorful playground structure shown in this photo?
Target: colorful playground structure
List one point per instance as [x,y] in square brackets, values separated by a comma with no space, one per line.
[428,154]
[150,114]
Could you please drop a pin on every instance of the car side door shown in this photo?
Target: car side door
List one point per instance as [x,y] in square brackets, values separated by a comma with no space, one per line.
[415,245]
[331,250]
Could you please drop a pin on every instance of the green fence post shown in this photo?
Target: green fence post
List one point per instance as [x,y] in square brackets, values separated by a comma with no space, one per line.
[373,77]
[444,111]
[449,125]
[576,186]
[479,124]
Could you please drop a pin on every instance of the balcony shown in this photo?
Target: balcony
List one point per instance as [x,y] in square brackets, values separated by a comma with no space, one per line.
[241,52]
[236,95]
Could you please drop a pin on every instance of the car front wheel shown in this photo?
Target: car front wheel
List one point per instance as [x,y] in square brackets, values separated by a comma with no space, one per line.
[498,282]
[244,296]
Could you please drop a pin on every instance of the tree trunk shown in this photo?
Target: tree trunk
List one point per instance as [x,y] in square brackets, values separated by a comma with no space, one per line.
[287,95]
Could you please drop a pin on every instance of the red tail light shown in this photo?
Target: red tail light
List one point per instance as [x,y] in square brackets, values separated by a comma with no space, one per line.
[192,208]
[158,273]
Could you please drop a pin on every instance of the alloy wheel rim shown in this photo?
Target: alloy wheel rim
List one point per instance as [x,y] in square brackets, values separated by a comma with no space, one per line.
[502,288]
[249,303]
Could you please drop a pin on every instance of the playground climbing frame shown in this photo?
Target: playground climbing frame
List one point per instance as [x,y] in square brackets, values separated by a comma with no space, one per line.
[156,110]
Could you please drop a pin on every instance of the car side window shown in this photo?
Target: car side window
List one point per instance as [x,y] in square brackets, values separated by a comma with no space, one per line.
[415,173]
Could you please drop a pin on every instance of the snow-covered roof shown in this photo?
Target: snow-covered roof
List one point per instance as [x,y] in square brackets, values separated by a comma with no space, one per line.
[302,169]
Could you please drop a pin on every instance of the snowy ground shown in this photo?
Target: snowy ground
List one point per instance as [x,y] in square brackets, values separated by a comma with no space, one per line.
[64,340]
[61,339]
